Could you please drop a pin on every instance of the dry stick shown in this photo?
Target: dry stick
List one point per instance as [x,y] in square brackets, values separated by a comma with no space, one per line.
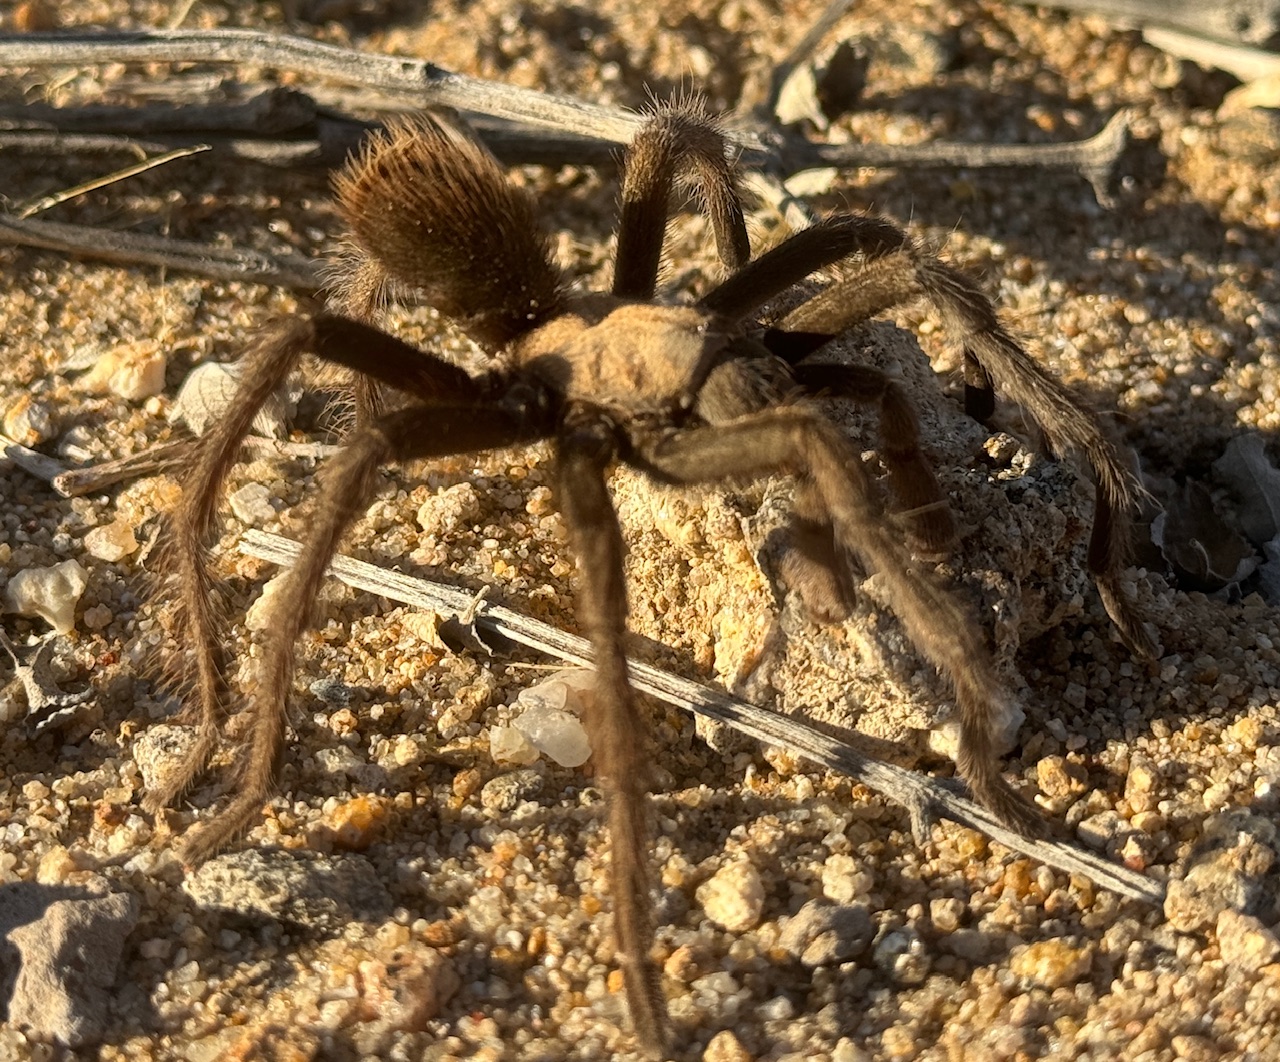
[166,458]
[287,154]
[30,461]
[1093,159]
[221,263]
[422,84]
[921,795]
[412,81]
[45,202]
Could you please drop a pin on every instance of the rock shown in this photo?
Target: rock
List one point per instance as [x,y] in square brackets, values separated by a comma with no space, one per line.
[259,615]
[549,723]
[507,791]
[50,593]
[972,945]
[1226,872]
[1245,943]
[903,956]
[133,371]
[946,913]
[555,733]
[209,390]
[453,508]
[1052,963]
[823,933]
[322,892]
[509,745]
[1057,777]
[68,949]
[111,542]
[161,749]
[252,504]
[402,993]
[733,897]
[726,1047]
[355,824]
[844,879]
[28,422]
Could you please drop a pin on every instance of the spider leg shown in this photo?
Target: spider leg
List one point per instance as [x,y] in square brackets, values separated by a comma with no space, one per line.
[797,440]
[407,434]
[680,141]
[992,356]
[809,563]
[616,728]
[358,286]
[931,529]
[277,349]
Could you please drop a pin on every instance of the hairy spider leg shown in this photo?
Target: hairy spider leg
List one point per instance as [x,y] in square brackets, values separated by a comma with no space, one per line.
[796,439]
[274,353]
[616,728]
[969,315]
[680,142]
[349,479]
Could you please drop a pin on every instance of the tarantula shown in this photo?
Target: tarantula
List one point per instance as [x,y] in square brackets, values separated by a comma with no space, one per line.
[697,393]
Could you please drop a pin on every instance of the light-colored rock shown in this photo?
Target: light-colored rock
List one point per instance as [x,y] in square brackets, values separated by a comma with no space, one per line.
[50,593]
[69,950]
[733,897]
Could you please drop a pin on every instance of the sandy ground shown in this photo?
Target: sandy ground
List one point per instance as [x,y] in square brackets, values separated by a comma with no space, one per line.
[407,896]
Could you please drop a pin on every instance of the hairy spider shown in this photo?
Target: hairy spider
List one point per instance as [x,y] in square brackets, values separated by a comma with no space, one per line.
[687,394]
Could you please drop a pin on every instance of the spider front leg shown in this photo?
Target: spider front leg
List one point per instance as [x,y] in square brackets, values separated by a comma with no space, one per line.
[277,350]
[798,440]
[679,141]
[268,362]
[617,730]
[408,434]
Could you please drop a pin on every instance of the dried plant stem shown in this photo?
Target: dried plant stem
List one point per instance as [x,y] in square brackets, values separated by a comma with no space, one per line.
[47,201]
[922,795]
[30,461]
[588,133]
[221,263]
[170,456]
[411,81]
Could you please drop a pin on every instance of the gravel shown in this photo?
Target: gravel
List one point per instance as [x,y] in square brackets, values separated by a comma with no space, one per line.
[418,900]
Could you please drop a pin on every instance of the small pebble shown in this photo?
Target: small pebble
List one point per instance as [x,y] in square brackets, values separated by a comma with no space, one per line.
[252,504]
[508,791]
[1245,942]
[509,745]
[133,370]
[111,542]
[733,897]
[822,933]
[1052,963]
[555,733]
[207,393]
[355,824]
[50,593]
[726,1047]
[29,422]
[259,615]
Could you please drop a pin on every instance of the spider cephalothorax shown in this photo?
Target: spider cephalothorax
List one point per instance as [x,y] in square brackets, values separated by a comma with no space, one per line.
[688,394]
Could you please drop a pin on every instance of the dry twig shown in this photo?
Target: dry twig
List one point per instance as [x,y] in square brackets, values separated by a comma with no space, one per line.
[400,81]
[221,263]
[923,796]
